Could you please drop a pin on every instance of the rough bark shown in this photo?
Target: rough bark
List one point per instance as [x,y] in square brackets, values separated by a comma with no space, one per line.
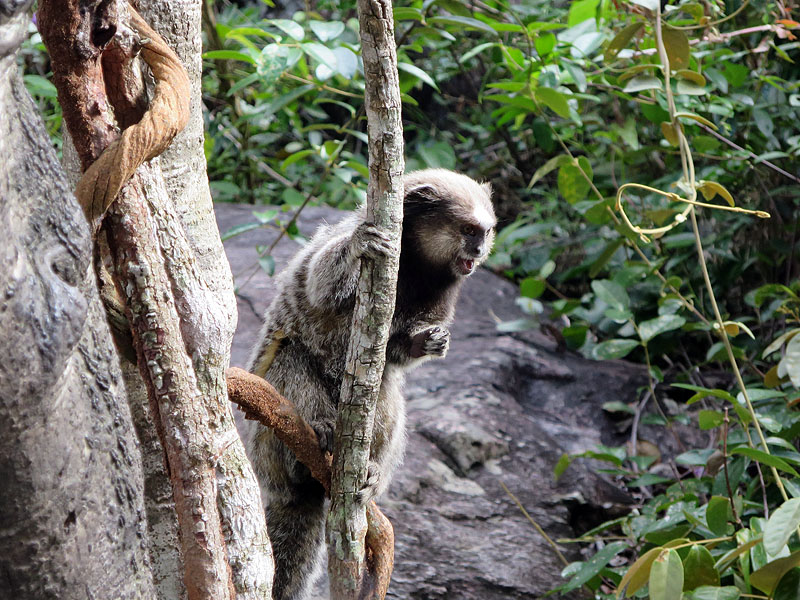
[347,523]
[181,327]
[71,504]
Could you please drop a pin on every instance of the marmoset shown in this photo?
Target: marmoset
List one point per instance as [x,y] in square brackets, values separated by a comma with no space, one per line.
[448,230]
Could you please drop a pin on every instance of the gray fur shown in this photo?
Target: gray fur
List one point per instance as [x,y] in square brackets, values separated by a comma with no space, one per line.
[309,323]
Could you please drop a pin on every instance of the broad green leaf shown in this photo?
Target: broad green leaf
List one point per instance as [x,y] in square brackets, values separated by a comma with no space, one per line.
[709,419]
[666,576]
[637,574]
[605,256]
[767,577]
[729,556]
[267,263]
[699,570]
[245,31]
[718,511]
[689,88]
[545,43]
[40,86]
[767,459]
[554,100]
[594,565]
[346,62]
[779,341]
[549,166]
[572,180]
[668,130]
[709,189]
[229,55]
[782,523]
[327,30]
[790,363]
[692,76]
[648,4]
[237,229]
[641,83]
[475,51]
[611,293]
[265,216]
[289,27]
[697,118]
[293,158]
[788,587]
[622,39]
[677,46]
[320,53]
[418,73]
[467,22]
[722,394]
[635,70]
[531,287]
[580,11]
[708,592]
[563,463]
[613,349]
[402,13]
[650,329]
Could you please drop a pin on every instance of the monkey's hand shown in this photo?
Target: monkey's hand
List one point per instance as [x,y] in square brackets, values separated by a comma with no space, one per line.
[324,430]
[434,341]
[371,242]
[371,485]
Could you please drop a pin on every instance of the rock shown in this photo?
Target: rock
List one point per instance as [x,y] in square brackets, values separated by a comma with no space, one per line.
[499,410]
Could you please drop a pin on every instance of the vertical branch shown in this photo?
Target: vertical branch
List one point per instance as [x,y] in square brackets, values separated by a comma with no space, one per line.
[375,297]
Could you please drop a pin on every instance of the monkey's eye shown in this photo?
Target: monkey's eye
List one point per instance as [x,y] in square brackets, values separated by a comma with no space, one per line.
[468,230]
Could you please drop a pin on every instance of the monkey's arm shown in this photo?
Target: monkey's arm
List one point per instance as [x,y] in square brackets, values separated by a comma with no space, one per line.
[404,347]
[334,268]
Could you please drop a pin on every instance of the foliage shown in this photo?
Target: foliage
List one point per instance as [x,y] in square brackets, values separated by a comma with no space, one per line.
[599,154]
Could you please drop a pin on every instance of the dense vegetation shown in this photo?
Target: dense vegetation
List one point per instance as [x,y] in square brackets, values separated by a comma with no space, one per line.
[636,151]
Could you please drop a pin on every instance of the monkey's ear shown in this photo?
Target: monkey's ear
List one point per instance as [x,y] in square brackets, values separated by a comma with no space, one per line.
[420,191]
[487,187]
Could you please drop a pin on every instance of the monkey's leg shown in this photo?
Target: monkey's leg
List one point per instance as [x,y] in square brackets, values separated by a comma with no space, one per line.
[296,526]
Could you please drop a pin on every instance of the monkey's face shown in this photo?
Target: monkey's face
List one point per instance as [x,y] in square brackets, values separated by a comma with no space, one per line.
[458,242]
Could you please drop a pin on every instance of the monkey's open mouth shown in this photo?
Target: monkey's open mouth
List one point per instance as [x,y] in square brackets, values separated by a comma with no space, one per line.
[465,265]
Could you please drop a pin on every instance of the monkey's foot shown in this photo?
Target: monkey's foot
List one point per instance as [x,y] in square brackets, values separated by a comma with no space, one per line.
[434,341]
[372,242]
[324,430]
[372,484]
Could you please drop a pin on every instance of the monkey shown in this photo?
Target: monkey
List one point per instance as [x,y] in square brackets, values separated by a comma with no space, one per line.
[447,232]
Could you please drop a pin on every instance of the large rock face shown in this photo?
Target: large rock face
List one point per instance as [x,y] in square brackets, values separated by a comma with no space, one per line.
[499,410]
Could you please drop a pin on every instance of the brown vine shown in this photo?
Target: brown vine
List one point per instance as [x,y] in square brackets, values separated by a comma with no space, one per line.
[261,402]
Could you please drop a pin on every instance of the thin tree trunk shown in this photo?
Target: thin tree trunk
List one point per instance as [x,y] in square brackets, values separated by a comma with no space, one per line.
[71,501]
[366,355]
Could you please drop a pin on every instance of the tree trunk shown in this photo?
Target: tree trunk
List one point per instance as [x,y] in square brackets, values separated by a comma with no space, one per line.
[71,501]
[375,297]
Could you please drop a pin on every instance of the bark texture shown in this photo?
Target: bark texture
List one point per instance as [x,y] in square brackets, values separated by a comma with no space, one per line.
[366,355]
[177,312]
[71,503]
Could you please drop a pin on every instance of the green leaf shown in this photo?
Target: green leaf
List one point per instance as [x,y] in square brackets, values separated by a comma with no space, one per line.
[467,22]
[551,165]
[638,573]
[622,39]
[699,569]
[677,45]
[593,566]
[718,511]
[554,100]
[611,293]
[289,27]
[698,118]
[613,349]
[708,592]
[709,189]
[788,587]
[650,329]
[531,287]
[320,53]
[722,394]
[666,576]
[229,55]
[605,256]
[689,88]
[418,73]
[346,61]
[692,76]
[580,11]
[767,459]
[790,363]
[475,51]
[782,523]
[237,229]
[563,463]
[293,158]
[572,180]
[709,419]
[40,86]
[545,43]
[327,30]
[267,264]
[641,83]
[767,577]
